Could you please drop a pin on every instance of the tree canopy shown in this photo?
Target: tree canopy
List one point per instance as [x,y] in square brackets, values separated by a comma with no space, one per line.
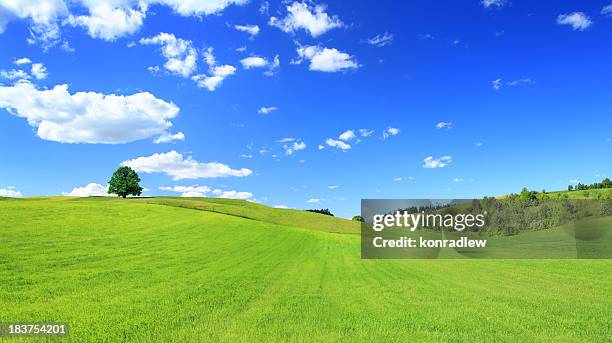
[125,181]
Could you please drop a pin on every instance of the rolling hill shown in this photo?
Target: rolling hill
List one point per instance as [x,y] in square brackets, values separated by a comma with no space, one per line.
[177,270]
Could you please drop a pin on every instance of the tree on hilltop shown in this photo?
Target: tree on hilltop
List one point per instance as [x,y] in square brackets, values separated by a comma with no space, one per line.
[125,181]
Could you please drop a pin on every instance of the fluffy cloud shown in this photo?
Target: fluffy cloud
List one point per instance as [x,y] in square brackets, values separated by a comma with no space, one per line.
[216,73]
[280,206]
[366,132]
[390,131]
[293,147]
[14,74]
[39,71]
[326,59]
[105,19]
[607,10]
[10,192]
[167,138]
[266,110]
[252,30]
[313,201]
[430,162]
[23,60]
[444,125]
[253,62]
[107,22]
[578,20]
[174,164]
[381,39]
[313,19]
[180,54]
[347,135]
[493,3]
[92,189]
[88,117]
[337,144]
[201,191]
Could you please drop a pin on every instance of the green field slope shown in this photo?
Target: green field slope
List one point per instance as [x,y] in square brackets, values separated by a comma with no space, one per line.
[172,270]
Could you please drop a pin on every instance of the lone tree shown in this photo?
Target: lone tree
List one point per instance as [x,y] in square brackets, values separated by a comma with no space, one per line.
[124,182]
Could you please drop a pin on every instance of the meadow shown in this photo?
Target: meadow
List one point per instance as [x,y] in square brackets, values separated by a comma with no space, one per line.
[182,270]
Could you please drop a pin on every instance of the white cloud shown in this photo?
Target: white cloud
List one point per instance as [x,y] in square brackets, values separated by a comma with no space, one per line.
[23,60]
[293,147]
[174,164]
[267,110]
[321,147]
[285,140]
[246,156]
[88,117]
[333,187]
[310,18]
[444,125]
[10,193]
[493,3]
[168,137]
[39,71]
[607,10]
[108,22]
[92,189]
[337,144]
[520,81]
[313,201]
[326,59]
[347,135]
[43,17]
[201,191]
[578,20]
[272,66]
[217,73]
[390,131]
[478,144]
[180,54]
[429,162]
[366,132]
[198,7]
[381,40]
[280,206]
[397,179]
[497,84]
[14,74]
[458,179]
[253,62]
[241,49]
[252,30]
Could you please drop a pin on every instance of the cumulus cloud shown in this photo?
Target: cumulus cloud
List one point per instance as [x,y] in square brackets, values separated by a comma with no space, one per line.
[10,192]
[181,56]
[326,59]
[444,125]
[311,18]
[430,162]
[577,20]
[174,164]
[201,191]
[347,135]
[253,62]
[92,189]
[337,144]
[168,137]
[607,10]
[104,19]
[390,131]
[88,117]
[293,147]
[39,71]
[14,74]
[267,110]
[252,30]
[107,22]
[23,60]
[381,40]
[216,73]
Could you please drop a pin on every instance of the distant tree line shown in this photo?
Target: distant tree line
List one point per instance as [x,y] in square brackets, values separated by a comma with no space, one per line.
[324,211]
[606,183]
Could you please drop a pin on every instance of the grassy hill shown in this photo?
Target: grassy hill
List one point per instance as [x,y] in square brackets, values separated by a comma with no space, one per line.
[171,269]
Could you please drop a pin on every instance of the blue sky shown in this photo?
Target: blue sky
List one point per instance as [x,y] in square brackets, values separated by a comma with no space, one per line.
[454,99]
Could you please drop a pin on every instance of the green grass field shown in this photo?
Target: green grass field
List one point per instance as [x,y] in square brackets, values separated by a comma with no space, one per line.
[182,270]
